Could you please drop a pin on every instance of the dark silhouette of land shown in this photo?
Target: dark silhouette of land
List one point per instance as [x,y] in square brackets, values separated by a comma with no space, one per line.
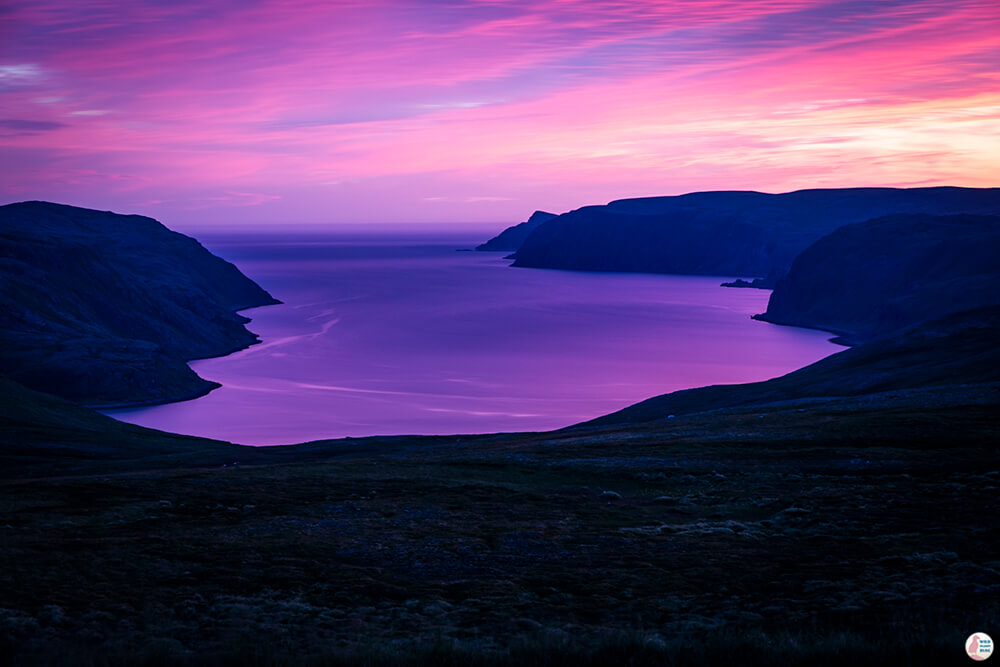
[511,238]
[841,513]
[106,309]
[873,278]
[725,233]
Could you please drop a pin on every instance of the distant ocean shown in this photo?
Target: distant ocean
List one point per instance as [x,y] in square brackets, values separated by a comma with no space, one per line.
[401,333]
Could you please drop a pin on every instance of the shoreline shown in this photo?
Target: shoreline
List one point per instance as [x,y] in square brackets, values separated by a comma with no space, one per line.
[841,336]
[101,407]
[489,428]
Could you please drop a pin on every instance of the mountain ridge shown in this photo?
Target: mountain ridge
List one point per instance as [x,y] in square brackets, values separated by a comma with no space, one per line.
[735,233]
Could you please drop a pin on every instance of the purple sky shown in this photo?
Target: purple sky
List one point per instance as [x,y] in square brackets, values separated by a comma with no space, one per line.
[251,112]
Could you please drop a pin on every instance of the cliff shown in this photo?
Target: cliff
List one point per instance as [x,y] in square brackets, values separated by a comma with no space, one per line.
[511,238]
[725,233]
[871,278]
[106,309]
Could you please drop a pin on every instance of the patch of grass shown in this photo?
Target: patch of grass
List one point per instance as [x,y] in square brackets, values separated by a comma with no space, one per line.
[511,551]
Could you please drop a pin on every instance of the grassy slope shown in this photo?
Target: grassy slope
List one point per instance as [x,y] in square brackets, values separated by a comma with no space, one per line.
[852,530]
[41,435]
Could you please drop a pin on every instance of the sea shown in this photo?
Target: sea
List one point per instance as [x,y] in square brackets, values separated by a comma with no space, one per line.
[394,330]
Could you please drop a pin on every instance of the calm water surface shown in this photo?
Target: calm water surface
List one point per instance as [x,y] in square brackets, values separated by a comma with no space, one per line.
[401,334]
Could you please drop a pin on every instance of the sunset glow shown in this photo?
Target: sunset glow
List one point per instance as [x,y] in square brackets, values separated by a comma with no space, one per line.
[305,112]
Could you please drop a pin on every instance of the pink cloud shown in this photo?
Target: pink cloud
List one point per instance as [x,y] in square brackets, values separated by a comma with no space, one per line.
[486,110]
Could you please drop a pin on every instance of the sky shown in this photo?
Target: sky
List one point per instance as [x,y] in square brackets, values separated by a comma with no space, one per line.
[301,112]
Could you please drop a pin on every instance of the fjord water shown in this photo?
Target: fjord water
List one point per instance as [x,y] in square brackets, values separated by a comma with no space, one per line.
[398,332]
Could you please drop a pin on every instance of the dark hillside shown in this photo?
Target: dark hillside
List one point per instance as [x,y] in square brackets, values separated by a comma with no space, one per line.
[868,279]
[725,233]
[105,309]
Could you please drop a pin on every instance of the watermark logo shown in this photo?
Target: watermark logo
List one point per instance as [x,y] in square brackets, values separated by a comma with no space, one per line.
[979,646]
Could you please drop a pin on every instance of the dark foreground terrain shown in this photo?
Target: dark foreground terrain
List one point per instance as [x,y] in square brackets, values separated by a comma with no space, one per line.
[848,512]
[819,531]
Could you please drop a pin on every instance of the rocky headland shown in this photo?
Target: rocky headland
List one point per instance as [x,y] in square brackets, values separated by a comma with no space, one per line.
[106,309]
[869,279]
[749,234]
[511,238]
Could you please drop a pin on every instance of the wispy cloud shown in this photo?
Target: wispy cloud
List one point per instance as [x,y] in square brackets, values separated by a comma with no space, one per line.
[347,109]
[14,76]
[29,125]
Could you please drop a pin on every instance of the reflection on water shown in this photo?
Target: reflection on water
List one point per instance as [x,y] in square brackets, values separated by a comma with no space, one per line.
[402,334]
